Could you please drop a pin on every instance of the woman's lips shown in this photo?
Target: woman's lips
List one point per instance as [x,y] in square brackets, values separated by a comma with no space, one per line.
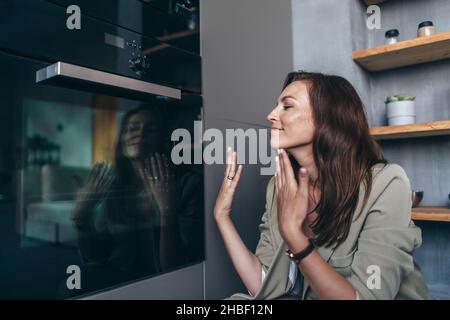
[133,144]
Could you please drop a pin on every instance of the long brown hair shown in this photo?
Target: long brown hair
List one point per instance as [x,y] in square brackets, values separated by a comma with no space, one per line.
[343,149]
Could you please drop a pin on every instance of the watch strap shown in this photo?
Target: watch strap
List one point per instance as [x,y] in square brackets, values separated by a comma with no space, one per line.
[297,257]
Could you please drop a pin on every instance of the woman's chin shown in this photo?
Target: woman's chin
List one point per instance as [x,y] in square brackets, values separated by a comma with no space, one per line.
[277,144]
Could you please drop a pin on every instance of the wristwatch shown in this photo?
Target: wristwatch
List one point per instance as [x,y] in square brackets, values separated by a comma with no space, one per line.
[297,257]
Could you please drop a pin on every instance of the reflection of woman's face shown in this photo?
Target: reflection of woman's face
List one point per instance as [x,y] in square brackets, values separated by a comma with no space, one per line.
[142,135]
[292,119]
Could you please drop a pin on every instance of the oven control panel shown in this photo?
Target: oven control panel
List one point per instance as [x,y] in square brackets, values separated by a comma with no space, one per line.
[139,61]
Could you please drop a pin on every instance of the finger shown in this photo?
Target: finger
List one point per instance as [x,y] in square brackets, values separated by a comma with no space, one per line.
[289,176]
[108,181]
[280,162]
[233,164]
[303,177]
[106,174]
[232,170]
[143,171]
[154,167]
[96,171]
[111,178]
[148,170]
[101,174]
[277,174]
[237,176]
[93,173]
[229,158]
[107,171]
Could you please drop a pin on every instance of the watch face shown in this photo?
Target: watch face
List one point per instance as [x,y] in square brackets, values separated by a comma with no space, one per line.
[289,254]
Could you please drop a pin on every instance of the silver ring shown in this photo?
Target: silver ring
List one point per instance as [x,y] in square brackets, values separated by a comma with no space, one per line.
[230,178]
[155,178]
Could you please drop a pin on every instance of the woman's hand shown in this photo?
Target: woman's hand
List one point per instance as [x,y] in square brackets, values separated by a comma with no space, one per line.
[224,200]
[292,198]
[159,181]
[96,186]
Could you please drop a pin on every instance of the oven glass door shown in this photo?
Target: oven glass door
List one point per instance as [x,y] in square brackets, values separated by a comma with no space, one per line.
[90,197]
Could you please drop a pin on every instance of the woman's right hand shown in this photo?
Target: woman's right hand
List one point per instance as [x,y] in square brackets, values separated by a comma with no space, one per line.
[96,186]
[224,200]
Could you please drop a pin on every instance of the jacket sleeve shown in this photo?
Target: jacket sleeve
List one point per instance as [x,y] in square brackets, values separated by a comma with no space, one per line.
[265,250]
[383,257]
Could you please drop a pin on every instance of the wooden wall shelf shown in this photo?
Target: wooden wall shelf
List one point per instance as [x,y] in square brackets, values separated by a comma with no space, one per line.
[405,53]
[371,2]
[420,129]
[431,214]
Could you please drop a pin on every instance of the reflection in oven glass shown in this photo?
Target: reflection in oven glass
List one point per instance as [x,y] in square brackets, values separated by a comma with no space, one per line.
[103,184]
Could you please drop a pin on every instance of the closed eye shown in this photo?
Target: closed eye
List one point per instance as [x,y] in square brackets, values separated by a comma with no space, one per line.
[286,107]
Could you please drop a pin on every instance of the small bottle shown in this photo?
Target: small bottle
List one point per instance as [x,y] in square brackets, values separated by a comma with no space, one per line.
[425,29]
[391,36]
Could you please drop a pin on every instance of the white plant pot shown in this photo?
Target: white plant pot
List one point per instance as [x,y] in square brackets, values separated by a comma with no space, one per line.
[400,112]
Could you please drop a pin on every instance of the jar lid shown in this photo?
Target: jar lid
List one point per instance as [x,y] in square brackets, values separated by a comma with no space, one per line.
[392,33]
[425,24]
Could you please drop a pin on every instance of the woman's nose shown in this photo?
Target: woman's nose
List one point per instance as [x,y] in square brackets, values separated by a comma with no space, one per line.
[136,132]
[273,115]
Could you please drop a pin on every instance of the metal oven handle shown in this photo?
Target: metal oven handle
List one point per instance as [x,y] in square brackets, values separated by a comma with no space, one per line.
[65,71]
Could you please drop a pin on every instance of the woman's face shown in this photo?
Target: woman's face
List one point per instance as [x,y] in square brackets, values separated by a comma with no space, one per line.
[292,118]
[142,135]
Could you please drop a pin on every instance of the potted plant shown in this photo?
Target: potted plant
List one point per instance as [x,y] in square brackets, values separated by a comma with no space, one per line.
[400,109]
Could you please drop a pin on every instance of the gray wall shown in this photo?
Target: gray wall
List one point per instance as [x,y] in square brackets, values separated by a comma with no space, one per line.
[325,34]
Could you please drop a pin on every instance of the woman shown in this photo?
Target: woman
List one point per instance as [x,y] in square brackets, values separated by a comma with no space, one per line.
[338,222]
[142,216]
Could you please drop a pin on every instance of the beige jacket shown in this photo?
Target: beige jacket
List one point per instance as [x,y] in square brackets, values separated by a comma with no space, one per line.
[383,235]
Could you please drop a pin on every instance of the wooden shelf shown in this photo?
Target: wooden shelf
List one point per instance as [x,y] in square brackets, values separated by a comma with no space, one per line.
[371,2]
[431,214]
[405,53]
[420,129]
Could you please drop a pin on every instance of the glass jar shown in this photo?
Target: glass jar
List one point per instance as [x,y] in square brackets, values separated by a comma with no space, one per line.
[425,29]
[391,36]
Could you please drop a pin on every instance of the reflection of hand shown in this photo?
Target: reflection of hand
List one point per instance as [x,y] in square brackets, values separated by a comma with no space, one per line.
[159,181]
[96,186]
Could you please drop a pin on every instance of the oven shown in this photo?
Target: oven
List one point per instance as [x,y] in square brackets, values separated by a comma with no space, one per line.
[90,195]
[174,22]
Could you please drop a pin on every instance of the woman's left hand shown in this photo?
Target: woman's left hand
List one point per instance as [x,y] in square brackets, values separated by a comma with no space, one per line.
[292,197]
